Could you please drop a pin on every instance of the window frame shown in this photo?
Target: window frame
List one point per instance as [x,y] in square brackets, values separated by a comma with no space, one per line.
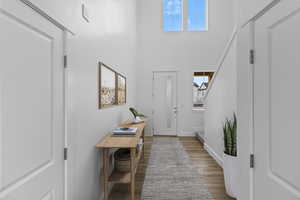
[184,17]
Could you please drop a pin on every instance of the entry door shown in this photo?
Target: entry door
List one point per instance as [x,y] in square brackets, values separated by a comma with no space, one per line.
[165,103]
[31,105]
[276,103]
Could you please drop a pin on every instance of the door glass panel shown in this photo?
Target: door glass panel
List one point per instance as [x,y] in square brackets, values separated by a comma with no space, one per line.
[169,101]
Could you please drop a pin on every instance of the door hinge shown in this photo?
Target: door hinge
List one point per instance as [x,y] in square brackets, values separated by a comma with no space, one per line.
[252,161]
[65,61]
[65,153]
[251,57]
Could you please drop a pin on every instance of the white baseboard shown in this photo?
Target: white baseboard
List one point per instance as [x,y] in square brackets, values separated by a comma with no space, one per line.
[200,137]
[213,154]
[186,133]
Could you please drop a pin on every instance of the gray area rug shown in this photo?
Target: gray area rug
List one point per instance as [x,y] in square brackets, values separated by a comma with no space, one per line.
[170,174]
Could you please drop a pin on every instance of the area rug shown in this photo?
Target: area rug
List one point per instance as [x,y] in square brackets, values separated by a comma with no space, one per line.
[170,174]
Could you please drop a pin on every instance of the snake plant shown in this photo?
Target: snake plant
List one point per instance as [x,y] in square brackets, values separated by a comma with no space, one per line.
[230,136]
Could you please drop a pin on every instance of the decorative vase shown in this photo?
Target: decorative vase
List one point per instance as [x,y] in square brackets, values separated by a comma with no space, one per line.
[230,167]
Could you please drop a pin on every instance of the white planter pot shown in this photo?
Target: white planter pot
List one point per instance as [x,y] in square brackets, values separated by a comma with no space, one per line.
[230,167]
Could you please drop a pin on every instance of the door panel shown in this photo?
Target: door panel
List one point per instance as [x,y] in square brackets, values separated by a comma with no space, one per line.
[31,97]
[276,103]
[36,97]
[165,103]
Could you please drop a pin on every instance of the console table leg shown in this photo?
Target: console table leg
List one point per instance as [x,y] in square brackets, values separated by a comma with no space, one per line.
[105,173]
[132,165]
[143,144]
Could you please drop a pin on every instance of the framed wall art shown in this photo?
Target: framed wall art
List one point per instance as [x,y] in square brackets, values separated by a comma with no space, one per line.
[112,87]
[121,89]
[107,86]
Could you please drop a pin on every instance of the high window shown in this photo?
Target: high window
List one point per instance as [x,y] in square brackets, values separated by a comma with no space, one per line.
[176,19]
[197,15]
[172,15]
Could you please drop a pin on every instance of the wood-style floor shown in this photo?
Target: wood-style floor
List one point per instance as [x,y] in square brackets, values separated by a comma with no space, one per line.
[208,168]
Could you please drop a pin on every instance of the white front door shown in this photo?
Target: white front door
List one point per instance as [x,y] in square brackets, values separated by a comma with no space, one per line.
[31,105]
[165,103]
[276,103]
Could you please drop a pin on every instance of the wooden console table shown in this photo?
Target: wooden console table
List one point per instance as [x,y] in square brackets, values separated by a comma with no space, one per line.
[130,142]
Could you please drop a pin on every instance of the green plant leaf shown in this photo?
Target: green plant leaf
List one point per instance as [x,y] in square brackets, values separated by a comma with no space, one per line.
[136,113]
[230,136]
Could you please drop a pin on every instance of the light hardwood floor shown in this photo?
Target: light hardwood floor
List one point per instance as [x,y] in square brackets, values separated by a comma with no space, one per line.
[208,169]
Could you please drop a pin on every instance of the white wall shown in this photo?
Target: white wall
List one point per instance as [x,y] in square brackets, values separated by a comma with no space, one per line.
[247,9]
[221,104]
[179,51]
[110,37]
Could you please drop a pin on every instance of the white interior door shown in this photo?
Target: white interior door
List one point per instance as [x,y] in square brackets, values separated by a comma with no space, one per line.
[276,103]
[165,103]
[31,105]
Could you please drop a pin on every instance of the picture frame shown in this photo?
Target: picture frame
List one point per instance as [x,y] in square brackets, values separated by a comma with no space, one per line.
[112,87]
[121,89]
[107,86]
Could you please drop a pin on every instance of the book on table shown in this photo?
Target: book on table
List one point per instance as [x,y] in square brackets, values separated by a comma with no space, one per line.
[124,132]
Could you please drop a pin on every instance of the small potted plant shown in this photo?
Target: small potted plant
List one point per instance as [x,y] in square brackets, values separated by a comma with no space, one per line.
[137,116]
[230,165]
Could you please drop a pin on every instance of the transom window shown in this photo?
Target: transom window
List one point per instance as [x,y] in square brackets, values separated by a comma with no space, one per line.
[194,19]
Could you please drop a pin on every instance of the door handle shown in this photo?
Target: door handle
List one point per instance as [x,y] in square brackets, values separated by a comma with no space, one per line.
[175,110]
